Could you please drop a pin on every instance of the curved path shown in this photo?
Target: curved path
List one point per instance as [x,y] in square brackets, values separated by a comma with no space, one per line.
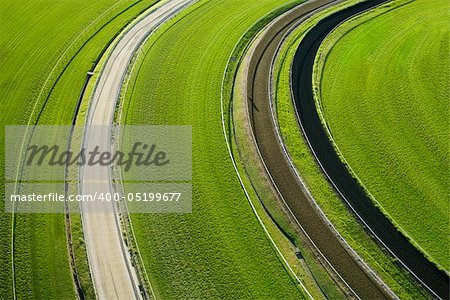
[434,280]
[110,265]
[283,177]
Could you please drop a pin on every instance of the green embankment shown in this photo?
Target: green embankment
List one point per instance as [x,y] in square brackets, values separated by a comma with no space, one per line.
[384,95]
[317,184]
[219,251]
[46,49]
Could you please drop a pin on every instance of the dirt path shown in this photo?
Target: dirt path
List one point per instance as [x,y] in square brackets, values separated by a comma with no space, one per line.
[111,269]
[436,281]
[258,94]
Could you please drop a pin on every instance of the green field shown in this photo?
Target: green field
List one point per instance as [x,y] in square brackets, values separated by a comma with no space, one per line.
[384,92]
[219,251]
[323,193]
[46,49]
[388,80]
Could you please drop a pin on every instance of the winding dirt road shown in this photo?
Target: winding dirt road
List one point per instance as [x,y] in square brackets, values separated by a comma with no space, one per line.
[111,269]
[426,273]
[351,273]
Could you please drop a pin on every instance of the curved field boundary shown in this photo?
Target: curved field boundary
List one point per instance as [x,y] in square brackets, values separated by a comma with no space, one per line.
[78,119]
[271,93]
[244,65]
[117,176]
[320,60]
[263,191]
[231,68]
[115,283]
[433,279]
[290,190]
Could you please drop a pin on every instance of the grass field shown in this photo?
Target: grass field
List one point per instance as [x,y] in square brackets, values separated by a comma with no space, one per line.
[219,251]
[319,187]
[384,92]
[43,67]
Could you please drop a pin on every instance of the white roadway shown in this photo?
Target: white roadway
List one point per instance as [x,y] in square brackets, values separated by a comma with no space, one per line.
[113,275]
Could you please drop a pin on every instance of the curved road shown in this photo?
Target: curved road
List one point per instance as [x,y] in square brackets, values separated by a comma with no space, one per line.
[283,177]
[434,280]
[110,265]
